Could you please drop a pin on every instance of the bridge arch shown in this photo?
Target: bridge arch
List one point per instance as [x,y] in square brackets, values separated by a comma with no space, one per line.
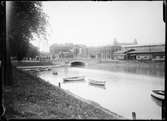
[77,63]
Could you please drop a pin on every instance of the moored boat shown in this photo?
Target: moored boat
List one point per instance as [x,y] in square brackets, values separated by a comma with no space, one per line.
[49,69]
[100,83]
[55,73]
[74,78]
[158,94]
[42,69]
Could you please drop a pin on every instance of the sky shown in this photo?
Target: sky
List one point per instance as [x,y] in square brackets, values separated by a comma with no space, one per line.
[94,23]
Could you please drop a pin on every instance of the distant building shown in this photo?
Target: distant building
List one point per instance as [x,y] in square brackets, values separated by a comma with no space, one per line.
[66,55]
[93,52]
[83,52]
[121,54]
[141,52]
[76,51]
[106,52]
[149,53]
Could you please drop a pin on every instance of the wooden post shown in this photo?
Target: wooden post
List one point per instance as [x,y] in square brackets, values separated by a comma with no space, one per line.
[134,115]
[59,85]
[163,109]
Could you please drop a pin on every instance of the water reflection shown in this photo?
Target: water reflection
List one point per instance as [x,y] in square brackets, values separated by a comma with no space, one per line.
[158,102]
[150,69]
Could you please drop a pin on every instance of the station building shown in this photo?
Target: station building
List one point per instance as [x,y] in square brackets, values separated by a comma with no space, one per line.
[141,52]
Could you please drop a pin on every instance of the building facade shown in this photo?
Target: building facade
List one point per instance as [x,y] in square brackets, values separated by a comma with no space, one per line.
[107,52]
[144,52]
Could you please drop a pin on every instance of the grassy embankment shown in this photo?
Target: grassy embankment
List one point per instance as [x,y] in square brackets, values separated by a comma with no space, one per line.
[31,97]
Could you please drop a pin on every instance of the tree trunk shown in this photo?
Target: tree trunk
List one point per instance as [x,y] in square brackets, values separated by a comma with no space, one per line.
[6,64]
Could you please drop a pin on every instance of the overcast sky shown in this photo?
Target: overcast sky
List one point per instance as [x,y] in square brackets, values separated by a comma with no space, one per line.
[97,23]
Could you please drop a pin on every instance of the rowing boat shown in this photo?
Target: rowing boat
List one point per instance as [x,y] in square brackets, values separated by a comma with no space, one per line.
[74,78]
[55,73]
[100,83]
[158,94]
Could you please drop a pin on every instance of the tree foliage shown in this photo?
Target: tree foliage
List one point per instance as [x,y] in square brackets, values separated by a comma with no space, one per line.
[27,18]
[32,51]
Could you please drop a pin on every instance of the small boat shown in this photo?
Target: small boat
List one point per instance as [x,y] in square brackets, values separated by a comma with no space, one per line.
[100,83]
[158,94]
[42,69]
[36,70]
[49,69]
[75,78]
[55,73]
[29,69]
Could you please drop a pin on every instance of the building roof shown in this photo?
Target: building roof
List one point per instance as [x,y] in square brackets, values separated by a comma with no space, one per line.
[142,50]
[127,46]
[121,51]
[148,50]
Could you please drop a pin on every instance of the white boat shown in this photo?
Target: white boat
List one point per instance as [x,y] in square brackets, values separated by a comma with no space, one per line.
[100,83]
[29,69]
[37,70]
[46,69]
[74,78]
[158,94]
[34,70]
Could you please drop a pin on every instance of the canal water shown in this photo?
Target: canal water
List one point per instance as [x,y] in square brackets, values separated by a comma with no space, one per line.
[123,93]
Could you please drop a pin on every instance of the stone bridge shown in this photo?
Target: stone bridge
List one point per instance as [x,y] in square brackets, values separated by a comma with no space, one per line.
[77,61]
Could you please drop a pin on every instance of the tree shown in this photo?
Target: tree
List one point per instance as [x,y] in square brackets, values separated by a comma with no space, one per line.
[24,19]
[27,19]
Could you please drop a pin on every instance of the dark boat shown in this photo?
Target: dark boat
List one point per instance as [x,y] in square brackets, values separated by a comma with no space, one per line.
[55,73]
[158,94]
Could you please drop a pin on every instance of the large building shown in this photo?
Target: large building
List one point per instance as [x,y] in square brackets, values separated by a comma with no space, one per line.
[109,53]
[106,52]
[141,52]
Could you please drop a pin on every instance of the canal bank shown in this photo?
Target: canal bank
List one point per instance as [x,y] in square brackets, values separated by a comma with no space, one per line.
[31,97]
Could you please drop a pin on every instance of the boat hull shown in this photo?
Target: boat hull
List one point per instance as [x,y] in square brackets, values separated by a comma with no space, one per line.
[96,84]
[55,73]
[99,83]
[74,79]
[158,94]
